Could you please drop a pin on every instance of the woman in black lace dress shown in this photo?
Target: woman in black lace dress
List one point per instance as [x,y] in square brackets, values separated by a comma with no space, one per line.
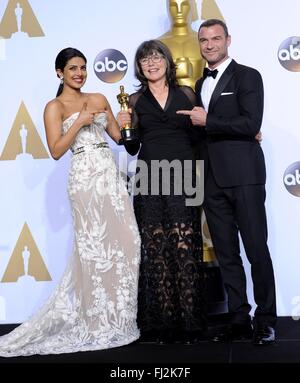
[171,286]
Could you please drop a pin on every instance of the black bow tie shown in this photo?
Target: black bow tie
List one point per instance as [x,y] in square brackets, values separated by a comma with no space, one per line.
[207,73]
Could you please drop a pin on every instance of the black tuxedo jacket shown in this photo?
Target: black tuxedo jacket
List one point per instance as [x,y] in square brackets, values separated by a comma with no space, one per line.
[234,118]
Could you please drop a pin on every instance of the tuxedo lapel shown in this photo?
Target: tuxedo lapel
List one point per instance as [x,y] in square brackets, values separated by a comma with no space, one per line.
[198,91]
[224,80]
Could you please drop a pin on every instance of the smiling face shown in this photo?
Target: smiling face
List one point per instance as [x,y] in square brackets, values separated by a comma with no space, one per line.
[154,66]
[74,73]
[214,44]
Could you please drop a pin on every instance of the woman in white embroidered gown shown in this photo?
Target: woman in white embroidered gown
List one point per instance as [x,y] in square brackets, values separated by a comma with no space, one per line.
[95,304]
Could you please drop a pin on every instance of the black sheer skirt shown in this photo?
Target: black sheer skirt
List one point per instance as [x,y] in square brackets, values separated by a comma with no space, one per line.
[171,282]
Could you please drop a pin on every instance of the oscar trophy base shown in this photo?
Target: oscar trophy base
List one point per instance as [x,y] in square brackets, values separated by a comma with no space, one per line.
[129,134]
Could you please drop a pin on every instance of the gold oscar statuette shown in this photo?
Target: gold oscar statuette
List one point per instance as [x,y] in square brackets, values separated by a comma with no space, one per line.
[128,133]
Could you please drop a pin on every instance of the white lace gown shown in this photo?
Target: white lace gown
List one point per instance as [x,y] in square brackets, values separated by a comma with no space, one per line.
[94,306]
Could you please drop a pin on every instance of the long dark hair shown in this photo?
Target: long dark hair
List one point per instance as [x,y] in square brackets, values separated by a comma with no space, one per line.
[61,61]
[147,48]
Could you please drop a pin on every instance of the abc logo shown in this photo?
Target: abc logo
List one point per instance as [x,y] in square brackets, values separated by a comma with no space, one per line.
[289,54]
[110,65]
[291,179]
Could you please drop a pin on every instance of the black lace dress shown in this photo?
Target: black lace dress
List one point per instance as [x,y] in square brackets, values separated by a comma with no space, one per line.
[171,285]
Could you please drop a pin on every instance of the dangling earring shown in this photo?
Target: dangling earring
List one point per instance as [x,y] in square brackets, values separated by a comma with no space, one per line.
[61,80]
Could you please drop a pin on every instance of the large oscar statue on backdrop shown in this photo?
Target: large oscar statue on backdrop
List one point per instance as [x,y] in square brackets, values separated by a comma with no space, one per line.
[183,42]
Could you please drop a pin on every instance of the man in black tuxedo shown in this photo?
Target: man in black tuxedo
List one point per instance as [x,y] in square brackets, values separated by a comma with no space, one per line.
[229,116]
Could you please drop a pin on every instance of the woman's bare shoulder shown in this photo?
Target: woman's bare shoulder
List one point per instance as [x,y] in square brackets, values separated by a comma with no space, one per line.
[54,107]
[54,104]
[97,98]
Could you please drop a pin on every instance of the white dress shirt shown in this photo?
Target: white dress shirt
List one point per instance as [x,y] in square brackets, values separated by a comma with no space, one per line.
[210,83]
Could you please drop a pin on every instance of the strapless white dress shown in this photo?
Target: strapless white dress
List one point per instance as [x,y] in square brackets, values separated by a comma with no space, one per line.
[94,306]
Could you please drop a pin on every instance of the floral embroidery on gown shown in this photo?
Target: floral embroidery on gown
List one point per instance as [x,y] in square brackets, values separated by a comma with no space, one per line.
[94,306]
